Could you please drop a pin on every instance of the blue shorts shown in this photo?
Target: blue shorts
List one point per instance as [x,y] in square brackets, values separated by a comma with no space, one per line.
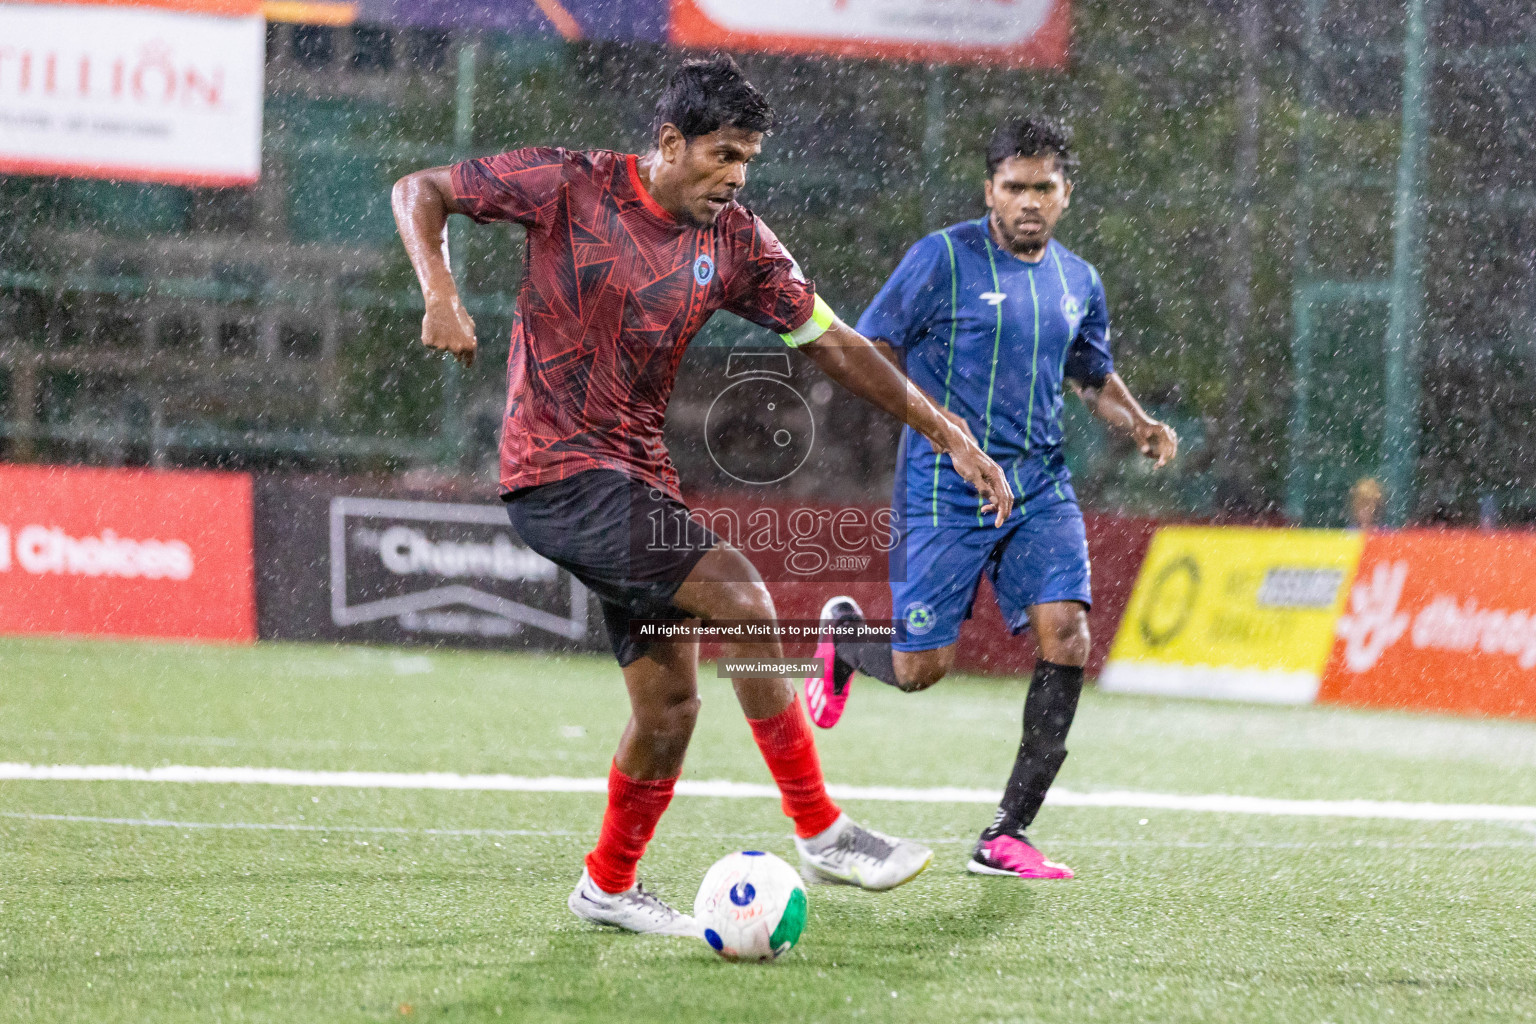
[1033,559]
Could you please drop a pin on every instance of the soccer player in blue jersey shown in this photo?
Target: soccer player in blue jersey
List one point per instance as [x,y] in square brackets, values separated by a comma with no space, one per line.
[998,319]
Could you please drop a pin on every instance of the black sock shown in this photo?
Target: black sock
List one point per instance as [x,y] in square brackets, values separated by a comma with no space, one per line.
[871,657]
[1048,713]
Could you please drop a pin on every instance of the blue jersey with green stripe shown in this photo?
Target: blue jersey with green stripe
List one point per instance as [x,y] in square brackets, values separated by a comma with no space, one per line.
[993,338]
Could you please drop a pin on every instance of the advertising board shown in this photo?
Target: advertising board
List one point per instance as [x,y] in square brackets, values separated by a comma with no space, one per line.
[1239,613]
[133,92]
[1440,620]
[1021,33]
[344,561]
[571,19]
[130,553]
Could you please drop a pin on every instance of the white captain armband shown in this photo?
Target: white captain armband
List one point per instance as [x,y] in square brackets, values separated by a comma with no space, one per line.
[821,319]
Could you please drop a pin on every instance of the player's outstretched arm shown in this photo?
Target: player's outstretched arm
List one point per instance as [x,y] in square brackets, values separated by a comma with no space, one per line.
[852,360]
[1113,403]
[422,202]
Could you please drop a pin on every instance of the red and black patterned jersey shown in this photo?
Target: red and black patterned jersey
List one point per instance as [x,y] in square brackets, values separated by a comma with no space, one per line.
[614,289]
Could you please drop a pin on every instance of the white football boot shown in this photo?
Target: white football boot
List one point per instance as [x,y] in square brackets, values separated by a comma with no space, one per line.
[851,854]
[634,910]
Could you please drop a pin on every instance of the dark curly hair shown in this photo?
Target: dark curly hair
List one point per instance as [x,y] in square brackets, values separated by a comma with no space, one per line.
[1031,136]
[705,95]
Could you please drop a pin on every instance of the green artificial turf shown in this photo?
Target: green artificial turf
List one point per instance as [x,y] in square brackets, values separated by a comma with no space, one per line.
[349,904]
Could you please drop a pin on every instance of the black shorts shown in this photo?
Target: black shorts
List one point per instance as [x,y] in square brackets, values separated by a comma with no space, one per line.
[628,542]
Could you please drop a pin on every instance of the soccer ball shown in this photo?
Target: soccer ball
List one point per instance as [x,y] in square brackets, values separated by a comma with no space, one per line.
[751,906]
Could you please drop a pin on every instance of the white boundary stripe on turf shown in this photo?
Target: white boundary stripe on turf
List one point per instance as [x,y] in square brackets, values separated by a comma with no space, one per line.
[1218,803]
[251,826]
[298,777]
[1211,803]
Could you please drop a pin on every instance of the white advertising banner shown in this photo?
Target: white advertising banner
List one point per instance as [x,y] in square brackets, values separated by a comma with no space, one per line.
[965,22]
[1026,33]
[131,93]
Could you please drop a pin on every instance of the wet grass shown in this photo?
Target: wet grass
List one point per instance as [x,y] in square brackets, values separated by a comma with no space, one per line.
[368,905]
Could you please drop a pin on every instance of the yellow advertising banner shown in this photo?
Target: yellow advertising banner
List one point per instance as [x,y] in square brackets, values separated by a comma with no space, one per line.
[1234,612]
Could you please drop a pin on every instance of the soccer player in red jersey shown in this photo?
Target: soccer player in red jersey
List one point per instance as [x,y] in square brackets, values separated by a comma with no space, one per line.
[627,258]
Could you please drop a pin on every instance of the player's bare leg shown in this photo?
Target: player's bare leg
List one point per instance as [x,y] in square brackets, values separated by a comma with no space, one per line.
[918,670]
[1003,849]
[1061,627]
[724,586]
[664,705]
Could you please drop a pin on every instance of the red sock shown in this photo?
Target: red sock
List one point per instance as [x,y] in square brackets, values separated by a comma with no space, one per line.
[634,808]
[787,746]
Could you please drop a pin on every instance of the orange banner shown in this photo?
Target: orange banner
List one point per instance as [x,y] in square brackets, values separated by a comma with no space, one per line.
[122,552]
[1440,621]
[306,12]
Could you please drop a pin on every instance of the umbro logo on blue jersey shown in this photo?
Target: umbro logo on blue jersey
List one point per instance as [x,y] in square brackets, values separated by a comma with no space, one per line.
[993,298]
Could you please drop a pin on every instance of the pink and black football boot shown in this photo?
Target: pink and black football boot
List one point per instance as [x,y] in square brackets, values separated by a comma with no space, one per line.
[1012,854]
[827,694]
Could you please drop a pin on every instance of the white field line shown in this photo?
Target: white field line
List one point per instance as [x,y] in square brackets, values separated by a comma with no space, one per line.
[503,833]
[1211,803]
[250,826]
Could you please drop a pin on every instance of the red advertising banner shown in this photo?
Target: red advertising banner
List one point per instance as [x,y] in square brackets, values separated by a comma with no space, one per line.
[1440,621]
[131,553]
[1013,33]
